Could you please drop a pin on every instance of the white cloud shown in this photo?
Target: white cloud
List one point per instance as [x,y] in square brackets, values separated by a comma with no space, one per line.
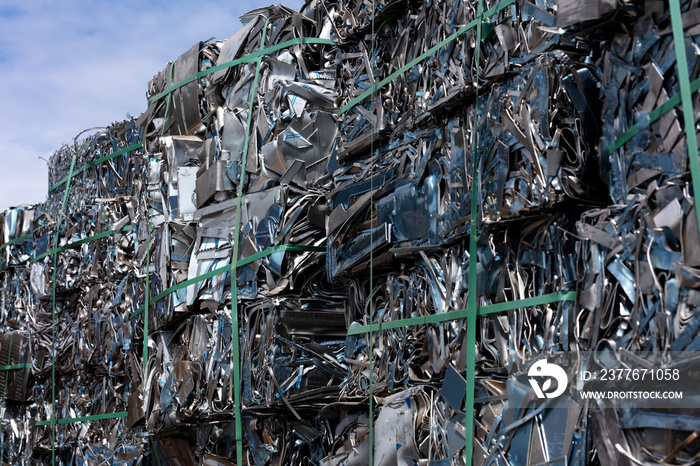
[70,65]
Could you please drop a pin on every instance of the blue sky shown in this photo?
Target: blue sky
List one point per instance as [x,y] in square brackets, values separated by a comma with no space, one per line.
[70,65]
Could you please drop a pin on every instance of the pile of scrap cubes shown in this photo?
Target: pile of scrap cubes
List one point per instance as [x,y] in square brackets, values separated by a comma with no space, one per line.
[342,235]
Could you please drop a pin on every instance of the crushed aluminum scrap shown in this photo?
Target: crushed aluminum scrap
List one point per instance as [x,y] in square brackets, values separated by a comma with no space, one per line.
[300,195]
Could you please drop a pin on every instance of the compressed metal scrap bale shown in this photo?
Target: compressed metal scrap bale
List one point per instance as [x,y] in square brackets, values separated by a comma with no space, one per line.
[520,45]
[404,357]
[640,295]
[525,260]
[640,262]
[293,353]
[530,160]
[90,326]
[537,135]
[387,187]
[539,113]
[517,264]
[194,173]
[101,200]
[16,299]
[625,267]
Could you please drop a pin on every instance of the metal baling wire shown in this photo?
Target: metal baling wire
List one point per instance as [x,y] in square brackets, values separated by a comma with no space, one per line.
[235,350]
[97,162]
[212,273]
[89,239]
[17,240]
[654,115]
[92,417]
[9,359]
[460,314]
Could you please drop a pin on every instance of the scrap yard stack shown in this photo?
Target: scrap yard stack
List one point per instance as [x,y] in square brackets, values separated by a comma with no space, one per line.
[344,235]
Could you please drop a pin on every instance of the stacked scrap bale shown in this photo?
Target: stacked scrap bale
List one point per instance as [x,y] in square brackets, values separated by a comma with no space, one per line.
[81,270]
[540,166]
[17,302]
[405,164]
[515,102]
[262,130]
[639,264]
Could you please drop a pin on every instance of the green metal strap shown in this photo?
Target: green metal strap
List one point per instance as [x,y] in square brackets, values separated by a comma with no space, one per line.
[251,58]
[461,31]
[11,367]
[80,242]
[654,115]
[53,310]
[686,99]
[96,162]
[17,240]
[235,350]
[473,234]
[549,298]
[94,417]
[219,271]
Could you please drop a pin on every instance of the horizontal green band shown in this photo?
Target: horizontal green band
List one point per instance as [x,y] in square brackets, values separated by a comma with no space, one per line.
[463,313]
[95,417]
[17,240]
[15,366]
[247,59]
[461,31]
[219,271]
[75,244]
[96,162]
[528,302]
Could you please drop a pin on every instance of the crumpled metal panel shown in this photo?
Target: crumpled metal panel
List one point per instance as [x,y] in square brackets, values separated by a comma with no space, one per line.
[538,138]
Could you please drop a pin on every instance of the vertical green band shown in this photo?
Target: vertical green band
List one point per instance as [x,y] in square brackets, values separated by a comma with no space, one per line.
[686,99]
[473,234]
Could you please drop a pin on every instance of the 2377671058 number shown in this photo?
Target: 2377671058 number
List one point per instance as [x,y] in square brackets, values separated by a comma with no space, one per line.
[614,375]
